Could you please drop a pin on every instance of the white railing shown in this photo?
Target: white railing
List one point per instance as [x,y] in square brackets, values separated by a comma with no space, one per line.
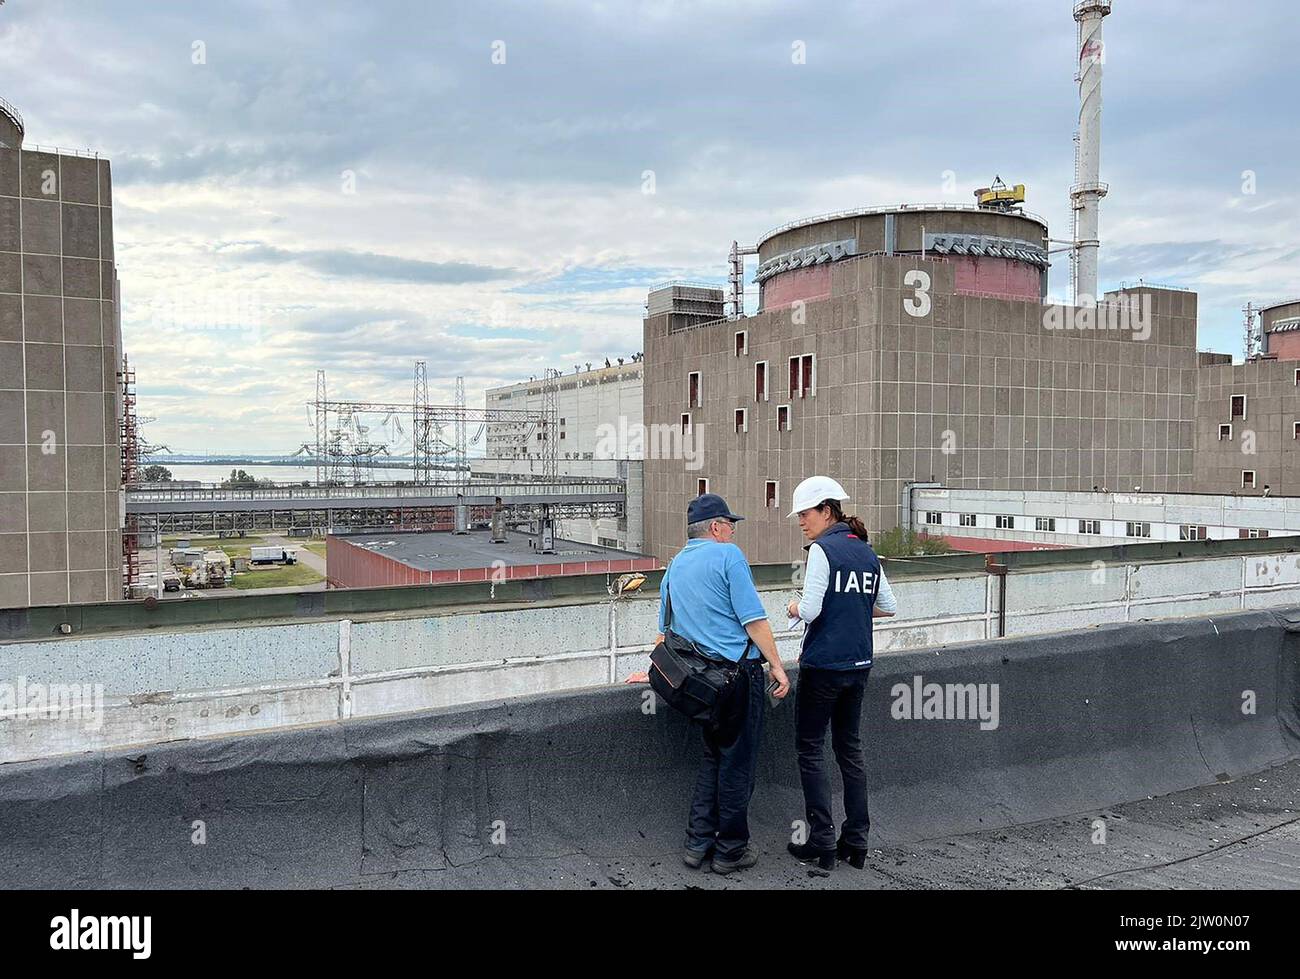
[59,151]
[8,109]
[343,493]
[862,212]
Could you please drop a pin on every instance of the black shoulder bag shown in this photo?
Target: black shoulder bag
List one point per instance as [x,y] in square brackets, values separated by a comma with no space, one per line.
[700,686]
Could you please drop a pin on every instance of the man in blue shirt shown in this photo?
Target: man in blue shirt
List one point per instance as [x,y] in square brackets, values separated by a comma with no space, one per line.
[716,606]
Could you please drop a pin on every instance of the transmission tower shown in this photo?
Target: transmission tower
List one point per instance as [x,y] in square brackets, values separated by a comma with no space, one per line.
[550,424]
[322,426]
[421,454]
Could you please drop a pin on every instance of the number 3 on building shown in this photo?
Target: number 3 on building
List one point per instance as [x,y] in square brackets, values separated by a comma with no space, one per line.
[918,305]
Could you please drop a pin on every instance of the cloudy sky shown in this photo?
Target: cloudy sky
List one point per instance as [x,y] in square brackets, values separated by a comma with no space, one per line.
[349,187]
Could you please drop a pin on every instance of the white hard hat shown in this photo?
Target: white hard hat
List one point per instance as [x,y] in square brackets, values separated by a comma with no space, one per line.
[813,490]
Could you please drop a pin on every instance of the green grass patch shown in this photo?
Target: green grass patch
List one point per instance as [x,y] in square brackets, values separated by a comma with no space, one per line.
[276,576]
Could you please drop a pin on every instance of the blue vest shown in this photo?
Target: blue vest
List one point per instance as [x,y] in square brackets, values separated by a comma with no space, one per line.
[840,637]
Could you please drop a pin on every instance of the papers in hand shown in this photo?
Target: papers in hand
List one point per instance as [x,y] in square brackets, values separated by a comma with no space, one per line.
[793,623]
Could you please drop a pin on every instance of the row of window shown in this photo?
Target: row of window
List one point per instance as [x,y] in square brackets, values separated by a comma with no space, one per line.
[741,420]
[1225,431]
[1132,528]
[771,491]
[1237,402]
[802,378]
[1006,521]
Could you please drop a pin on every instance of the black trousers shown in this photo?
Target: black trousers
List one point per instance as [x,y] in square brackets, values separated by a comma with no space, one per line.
[725,782]
[834,698]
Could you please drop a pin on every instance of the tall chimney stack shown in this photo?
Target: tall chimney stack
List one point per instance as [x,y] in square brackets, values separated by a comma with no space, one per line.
[1086,195]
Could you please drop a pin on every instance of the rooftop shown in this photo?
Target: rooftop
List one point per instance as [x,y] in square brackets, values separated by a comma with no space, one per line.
[445,551]
[862,212]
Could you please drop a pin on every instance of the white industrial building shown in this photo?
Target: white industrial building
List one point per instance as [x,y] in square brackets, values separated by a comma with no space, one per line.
[592,406]
[990,520]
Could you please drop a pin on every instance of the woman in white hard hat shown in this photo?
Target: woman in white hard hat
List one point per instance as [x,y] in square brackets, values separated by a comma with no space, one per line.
[844,589]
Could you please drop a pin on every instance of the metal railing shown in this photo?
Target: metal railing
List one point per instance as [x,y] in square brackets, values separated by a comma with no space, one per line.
[862,212]
[689,284]
[225,494]
[14,115]
[1143,284]
[59,151]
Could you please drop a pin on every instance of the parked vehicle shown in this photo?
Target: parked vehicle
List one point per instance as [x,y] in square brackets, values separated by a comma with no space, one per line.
[273,555]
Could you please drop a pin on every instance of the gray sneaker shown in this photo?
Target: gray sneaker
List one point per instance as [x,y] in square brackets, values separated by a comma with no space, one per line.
[746,860]
[694,858]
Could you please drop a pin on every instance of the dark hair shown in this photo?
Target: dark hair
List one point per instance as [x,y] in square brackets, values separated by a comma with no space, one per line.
[837,514]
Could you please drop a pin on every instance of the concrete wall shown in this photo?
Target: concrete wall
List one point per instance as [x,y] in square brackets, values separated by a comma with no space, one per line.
[1263,441]
[174,683]
[1085,720]
[60,470]
[977,392]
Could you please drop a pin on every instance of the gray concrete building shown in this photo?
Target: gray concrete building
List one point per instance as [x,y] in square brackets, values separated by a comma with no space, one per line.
[880,367]
[1248,428]
[60,346]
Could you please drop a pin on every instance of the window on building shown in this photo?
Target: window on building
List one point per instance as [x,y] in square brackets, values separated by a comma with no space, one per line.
[1295,430]
[1238,406]
[772,494]
[760,381]
[1252,533]
[783,418]
[742,420]
[1192,532]
[1004,522]
[966,519]
[803,376]
[933,517]
[686,424]
[1248,479]
[1045,523]
[1090,526]
[562,434]
[742,342]
[1297,377]
[607,541]
[693,390]
[1225,433]
[1135,528]
[701,487]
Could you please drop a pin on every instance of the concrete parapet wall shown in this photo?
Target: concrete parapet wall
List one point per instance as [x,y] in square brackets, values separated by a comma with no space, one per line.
[205,681]
[1085,720]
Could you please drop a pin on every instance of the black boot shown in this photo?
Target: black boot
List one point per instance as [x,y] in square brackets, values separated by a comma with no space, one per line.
[852,855]
[807,853]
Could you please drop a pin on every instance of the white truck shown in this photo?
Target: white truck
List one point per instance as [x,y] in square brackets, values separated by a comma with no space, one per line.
[273,555]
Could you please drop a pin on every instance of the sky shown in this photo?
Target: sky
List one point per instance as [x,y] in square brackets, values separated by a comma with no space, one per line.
[494,186]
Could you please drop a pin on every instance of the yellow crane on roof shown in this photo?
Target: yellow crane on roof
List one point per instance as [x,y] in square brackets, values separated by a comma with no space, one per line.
[999,197]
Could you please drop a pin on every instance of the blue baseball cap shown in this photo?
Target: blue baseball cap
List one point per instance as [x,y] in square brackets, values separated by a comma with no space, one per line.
[709,506]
